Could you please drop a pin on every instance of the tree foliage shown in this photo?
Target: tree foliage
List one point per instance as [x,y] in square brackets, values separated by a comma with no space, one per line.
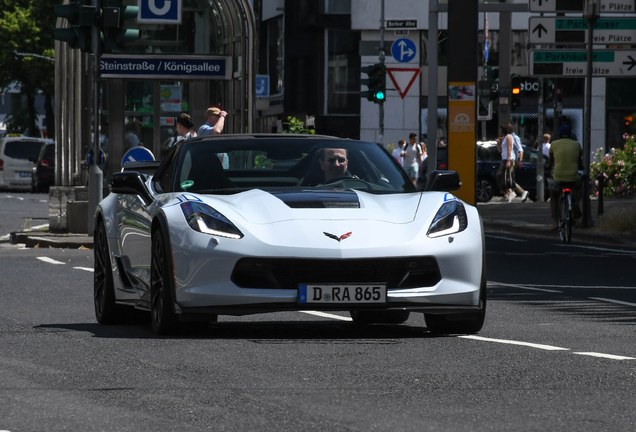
[26,27]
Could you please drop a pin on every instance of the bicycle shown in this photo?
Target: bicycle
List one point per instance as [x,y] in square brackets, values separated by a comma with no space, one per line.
[565,213]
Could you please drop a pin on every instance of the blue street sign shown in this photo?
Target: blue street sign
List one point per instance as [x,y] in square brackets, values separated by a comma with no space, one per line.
[102,157]
[403,50]
[137,154]
[486,51]
[262,85]
[159,11]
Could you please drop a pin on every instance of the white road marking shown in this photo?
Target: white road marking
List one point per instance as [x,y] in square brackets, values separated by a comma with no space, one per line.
[506,238]
[511,342]
[613,301]
[50,260]
[88,269]
[609,356]
[326,315]
[522,287]
[37,227]
[537,286]
[622,251]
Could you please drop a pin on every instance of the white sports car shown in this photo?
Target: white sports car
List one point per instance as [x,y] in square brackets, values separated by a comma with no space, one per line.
[293,222]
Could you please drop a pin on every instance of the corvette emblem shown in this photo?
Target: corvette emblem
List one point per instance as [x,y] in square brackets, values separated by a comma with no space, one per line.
[335,237]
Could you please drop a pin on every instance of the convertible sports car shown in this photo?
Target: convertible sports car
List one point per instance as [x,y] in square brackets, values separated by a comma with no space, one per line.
[297,222]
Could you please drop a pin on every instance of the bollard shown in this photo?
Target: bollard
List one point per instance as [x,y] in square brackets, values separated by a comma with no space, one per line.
[599,188]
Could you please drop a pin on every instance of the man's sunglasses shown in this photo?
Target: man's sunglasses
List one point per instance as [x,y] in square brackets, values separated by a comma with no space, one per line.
[334,159]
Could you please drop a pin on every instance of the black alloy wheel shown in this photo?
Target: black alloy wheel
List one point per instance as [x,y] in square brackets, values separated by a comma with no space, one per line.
[164,320]
[485,190]
[106,310]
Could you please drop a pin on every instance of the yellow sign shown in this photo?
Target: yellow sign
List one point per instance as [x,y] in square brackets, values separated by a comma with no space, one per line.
[461,137]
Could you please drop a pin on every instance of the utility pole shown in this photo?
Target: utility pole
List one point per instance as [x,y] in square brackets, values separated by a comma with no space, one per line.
[591,14]
[381,107]
[95,174]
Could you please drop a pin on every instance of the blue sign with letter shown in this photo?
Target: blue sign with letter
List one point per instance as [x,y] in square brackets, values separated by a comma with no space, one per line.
[262,85]
[159,11]
[137,154]
[403,50]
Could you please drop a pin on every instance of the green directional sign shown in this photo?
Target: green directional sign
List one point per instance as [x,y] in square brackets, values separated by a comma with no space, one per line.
[560,63]
[606,6]
[551,30]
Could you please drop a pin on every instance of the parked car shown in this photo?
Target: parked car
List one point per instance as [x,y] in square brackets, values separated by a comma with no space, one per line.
[17,154]
[44,169]
[488,161]
[189,240]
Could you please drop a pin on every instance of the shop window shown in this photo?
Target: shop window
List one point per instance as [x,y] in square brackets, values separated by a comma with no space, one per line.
[338,6]
[343,72]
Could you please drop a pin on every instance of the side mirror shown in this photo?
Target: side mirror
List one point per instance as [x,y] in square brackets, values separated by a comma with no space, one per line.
[129,183]
[443,181]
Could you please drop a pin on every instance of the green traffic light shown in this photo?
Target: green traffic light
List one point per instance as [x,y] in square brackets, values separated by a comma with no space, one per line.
[379,96]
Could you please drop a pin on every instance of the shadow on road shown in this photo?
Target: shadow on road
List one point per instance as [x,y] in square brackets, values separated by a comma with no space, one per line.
[269,332]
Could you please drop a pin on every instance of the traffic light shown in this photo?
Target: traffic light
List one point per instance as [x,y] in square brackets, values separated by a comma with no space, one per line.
[515,89]
[114,14]
[484,109]
[81,16]
[376,83]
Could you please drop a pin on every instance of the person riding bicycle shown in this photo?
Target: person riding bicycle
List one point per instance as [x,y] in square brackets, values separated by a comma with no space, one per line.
[566,160]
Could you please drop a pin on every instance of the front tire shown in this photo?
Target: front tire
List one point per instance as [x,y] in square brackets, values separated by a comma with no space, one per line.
[164,320]
[465,323]
[106,310]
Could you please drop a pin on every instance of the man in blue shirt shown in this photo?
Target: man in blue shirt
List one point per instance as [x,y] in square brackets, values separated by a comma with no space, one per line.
[215,123]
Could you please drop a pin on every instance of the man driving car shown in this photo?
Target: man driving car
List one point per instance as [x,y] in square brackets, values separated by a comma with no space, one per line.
[333,161]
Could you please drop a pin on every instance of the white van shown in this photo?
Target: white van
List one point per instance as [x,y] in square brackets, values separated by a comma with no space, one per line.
[17,154]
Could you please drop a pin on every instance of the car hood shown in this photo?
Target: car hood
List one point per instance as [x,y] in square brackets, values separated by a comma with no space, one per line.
[265,207]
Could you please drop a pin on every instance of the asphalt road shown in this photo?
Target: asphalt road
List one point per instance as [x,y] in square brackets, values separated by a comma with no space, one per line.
[556,353]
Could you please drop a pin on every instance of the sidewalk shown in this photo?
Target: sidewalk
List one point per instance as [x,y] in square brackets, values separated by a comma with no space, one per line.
[533,218]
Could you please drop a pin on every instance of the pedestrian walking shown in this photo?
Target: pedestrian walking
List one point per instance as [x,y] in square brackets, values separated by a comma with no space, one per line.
[412,155]
[215,122]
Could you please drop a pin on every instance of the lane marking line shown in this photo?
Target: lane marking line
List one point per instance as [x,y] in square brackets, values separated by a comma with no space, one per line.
[50,260]
[622,251]
[85,269]
[613,301]
[493,283]
[326,315]
[608,356]
[511,342]
[537,286]
[506,238]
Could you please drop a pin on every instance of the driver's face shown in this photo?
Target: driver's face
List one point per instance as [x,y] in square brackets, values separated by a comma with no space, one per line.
[334,163]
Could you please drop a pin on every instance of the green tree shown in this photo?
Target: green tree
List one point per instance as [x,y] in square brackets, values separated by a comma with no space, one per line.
[26,27]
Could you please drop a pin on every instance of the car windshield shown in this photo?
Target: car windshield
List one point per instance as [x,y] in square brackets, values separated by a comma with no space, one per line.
[22,149]
[234,165]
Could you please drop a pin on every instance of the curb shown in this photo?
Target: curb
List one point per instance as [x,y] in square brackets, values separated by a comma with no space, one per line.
[49,240]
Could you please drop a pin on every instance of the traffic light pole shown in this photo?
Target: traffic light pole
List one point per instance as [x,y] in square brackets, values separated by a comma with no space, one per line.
[591,15]
[381,107]
[95,175]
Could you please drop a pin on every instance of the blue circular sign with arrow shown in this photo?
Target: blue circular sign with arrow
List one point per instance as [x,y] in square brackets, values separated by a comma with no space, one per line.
[403,50]
[137,154]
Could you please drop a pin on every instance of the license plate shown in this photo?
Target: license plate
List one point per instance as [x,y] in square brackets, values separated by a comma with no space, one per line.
[24,174]
[345,293]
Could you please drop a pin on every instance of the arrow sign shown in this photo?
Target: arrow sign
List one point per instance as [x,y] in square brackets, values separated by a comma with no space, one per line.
[559,63]
[403,78]
[403,50]
[550,30]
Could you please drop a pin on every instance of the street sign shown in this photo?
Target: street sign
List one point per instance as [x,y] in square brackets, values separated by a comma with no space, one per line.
[262,85]
[606,6]
[137,154]
[401,24]
[403,50]
[573,63]
[403,78]
[159,11]
[550,30]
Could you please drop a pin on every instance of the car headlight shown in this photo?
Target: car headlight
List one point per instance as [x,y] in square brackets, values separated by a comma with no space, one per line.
[204,219]
[450,219]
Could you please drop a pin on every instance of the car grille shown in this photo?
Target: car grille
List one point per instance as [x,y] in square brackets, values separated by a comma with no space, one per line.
[288,273]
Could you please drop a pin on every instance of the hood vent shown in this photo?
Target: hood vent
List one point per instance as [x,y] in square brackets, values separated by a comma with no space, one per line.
[306,199]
